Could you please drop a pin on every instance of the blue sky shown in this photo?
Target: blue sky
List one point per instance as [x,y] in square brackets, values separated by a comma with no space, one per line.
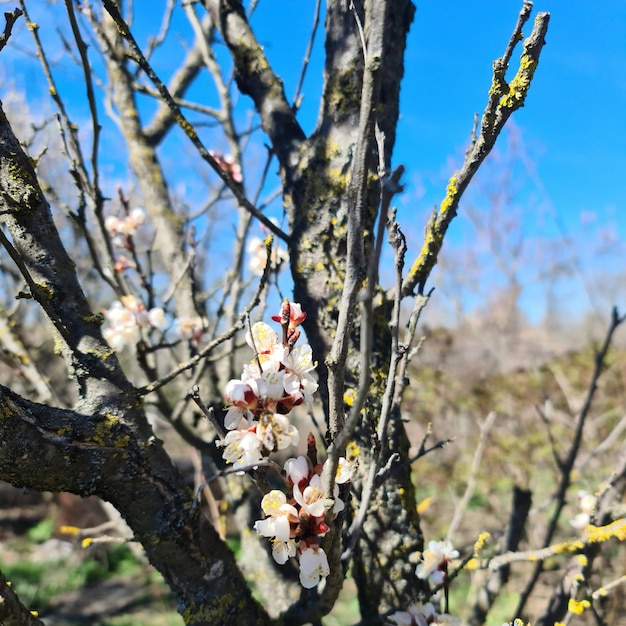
[570,139]
[567,150]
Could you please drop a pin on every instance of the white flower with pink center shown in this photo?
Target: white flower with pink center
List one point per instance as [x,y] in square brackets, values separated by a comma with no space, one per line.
[242,448]
[262,338]
[312,498]
[297,469]
[276,432]
[277,525]
[435,559]
[313,566]
[299,367]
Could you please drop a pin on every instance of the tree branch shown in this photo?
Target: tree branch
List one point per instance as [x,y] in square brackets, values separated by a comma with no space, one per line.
[12,611]
[255,78]
[10,18]
[504,99]
[116,457]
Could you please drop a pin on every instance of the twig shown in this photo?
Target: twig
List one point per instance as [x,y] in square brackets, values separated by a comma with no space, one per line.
[184,124]
[568,463]
[555,453]
[297,98]
[243,469]
[398,244]
[10,17]
[460,508]
[503,100]
[209,413]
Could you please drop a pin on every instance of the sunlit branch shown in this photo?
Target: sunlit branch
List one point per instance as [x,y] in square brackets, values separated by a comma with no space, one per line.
[503,100]
[569,461]
[184,123]
[470,487]
[225,336]
[10,18]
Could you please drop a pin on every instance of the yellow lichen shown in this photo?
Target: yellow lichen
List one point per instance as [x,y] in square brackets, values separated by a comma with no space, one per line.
[577,606]
[481,541]
[44,290]
[352,450]
[424,505]
[520,84]
[617,529]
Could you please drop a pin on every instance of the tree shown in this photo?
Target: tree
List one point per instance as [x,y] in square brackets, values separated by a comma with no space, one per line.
[337,188]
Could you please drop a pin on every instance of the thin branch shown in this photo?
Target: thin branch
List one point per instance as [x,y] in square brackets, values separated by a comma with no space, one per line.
[10,17]
[503,100]
[357,193]
[155,133]
[208,412]
[555,453]
[93,108]
[184,124]
[470,487]
[297,98]
[568,463]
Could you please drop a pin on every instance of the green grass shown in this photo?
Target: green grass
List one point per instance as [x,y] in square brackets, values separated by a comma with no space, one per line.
[37,583]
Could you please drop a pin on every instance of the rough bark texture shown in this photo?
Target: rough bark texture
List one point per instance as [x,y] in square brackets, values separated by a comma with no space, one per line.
[332,195]
[316,174]
[105,446]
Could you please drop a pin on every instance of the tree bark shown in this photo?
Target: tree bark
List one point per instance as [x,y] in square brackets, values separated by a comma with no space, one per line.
[105,446]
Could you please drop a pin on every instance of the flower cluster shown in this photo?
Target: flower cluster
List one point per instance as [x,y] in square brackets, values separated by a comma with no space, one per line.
[122,228]
[435,560]
[125,319]
[295,525]
[423,615]
[586,505]
[278,379]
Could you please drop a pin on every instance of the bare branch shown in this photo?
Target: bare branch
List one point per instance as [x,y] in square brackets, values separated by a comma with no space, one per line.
[504,99]
[12,611]
[570,460]
[470,486]
[10,18]
[184,124]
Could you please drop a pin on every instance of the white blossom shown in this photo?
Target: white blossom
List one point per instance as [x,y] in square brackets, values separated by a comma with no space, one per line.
[241,448]
[313,566]
[435,561]
[277,525]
